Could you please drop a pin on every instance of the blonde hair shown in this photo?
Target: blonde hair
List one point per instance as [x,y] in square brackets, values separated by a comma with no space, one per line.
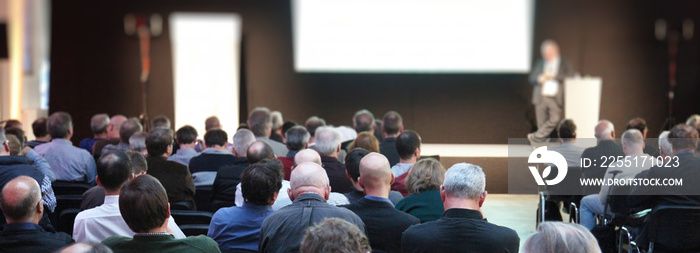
[365,140]
[426,174]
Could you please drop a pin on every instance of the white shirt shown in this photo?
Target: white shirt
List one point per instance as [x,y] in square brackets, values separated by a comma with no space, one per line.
[335,199]
[99,223]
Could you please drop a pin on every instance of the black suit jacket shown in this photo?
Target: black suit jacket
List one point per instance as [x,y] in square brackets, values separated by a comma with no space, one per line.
[388,148]
[210,162]
[383,223]
[175,178]
[565,70]
[605,149]
[688,170]
[339,181]
[227,178]
[21,238]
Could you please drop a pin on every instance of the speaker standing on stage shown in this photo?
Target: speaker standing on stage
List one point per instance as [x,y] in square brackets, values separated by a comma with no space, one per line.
[547,77]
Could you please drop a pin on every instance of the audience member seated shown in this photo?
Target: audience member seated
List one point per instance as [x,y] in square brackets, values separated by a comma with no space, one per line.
[297,139]
[13,141]
[423,183]
[85,248]
[68,163]
[665,148]
[684,166]
[114,169]
[560,237]
[98,124]
[311,124]
[143,204]
[210,123]
[229,176]
[568,148]
[352,167]
[260,123]
[160,122]
[334,235]
[175,177]
[347,135]
[12,123]
[112,135]
[23,209]
[40,133]
[462,228]
[364,140]
[186,137]
[694,122]
[408,148]
[383,223]
[363,121]
[204,166]
[392,126]
[640,124]
[22,150]
[328,146]
[237,228]
[632,146]
[126,130]
[95,196]
[277,121]
[606,147]
[137,142]
[283,230]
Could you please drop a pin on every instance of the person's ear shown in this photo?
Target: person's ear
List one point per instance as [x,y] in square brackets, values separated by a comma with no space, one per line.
[307,146]
[348,175]
[612,134]
[40,208]
[482,198]
[327,193]
[417,153]
[359,181]
[273,198]
[6,146]
[442,193]
[168,210]
[337,150]
[393,179]
[169,150]
[290,194]
[97,180]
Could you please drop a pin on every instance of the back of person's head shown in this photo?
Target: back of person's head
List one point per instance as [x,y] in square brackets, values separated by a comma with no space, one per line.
[14,143]
[363,121]
[352,162]
[186,135]
[307,177]
[637,123]
[138,162]
[12,123]
[375,172]
[113,170]
[17,133]
[683,137]
[216,137]
[334,235]
[392,123]
[60,125]
[407,143]
[632,140]
[160,121]
[605,130]
[242,140]
[260,182]
[307,155]
[464,181]
[288,125]
[158,141]
[297,138]
[129,128]
[427,174]
[137,141]
[567,129]
[694,121]
[327,140]
[21,200]
[260,121]
[115,123]
[560,237]
[143,204]
[99,123]
[365,140]
[665,147]
[39,127]
[277,120]
[312,123]
[258,151]
[212,123]
[82,247]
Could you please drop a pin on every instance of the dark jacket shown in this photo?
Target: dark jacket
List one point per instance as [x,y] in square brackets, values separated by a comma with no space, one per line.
[383,223]
[284,229]
[30,237]
[565,70]
[460,230]
[687,169]
[388,148]
[210,162]
[339,180]
[605,152]
[174,176]
[227,178]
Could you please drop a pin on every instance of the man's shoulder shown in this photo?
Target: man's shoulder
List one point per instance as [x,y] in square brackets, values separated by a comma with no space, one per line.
[201,242]
[115,240]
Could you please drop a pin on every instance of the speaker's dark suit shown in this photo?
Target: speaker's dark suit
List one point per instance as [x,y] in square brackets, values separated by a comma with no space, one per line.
[548,109]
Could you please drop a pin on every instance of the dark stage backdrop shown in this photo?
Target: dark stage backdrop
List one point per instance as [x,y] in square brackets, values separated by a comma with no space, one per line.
[95,69]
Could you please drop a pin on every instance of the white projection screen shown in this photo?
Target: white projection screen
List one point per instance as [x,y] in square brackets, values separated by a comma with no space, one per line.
[395,36]
[206,66]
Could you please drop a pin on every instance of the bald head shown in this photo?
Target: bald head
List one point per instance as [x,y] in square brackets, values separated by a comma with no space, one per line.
[605,130]
[307,155]
[258,151]
[375,174]
[21,200]
[309,177]
[114,126]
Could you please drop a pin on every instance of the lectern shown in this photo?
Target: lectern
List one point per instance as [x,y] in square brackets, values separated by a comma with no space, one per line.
[582,103]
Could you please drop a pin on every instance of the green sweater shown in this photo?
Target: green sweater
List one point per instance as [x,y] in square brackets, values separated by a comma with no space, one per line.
[426,205]
[161,243]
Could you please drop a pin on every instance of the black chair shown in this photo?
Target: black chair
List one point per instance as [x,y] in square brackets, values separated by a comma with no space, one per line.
[202,198]
[183,217]
[66,219]
[568,191]
[194,229]
[64,202]
[672,229]
[182,205]
[69,188]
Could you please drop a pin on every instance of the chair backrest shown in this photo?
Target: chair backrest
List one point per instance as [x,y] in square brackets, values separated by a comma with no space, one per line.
[66,220]
[183,217]
[194,229]
[202,198]
[570,185]
[69,188]
[64,202]
[617,200]
[674,229]
[182,205]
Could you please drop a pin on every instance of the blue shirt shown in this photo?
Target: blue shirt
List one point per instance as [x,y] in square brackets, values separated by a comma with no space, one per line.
[87,143]
[238,227]
[183,156]
[68,163]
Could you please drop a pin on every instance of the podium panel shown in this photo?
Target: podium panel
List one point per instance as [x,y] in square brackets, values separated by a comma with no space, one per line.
[582,103]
